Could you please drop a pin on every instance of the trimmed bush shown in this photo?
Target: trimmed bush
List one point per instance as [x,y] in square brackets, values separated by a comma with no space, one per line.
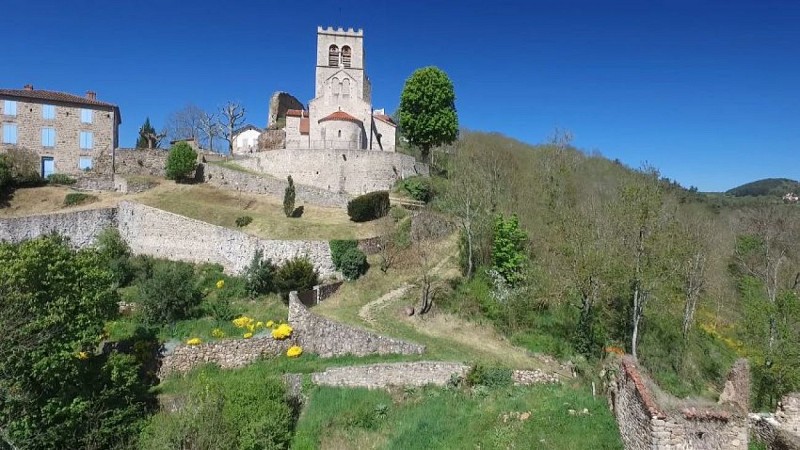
[171,294]
[419,188]
[297,274]
[338,248]
[181,162]
[370,206]
[78,198]
[353,263]
[60,178]
[259,275]
[243,221]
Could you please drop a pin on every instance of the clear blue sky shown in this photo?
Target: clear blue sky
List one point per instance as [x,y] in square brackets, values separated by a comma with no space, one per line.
[707,91]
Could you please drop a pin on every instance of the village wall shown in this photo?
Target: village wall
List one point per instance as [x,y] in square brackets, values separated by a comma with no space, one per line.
[227,354]
[354,172]
[82,227]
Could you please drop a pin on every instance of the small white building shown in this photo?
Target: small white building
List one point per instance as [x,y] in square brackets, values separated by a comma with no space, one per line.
[245,139]
[340,116]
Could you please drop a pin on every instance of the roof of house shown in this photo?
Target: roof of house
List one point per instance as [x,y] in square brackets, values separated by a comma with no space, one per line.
[247,128]
[54,96]
[340,115]
[296,113]
[385,118]
[305,126]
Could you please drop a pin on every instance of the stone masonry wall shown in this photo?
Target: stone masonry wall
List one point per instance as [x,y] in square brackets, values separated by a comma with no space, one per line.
[82,227]
[228,353]
[779,431]
[162,234]
[644,424]
[378,376]
[138,161]
[354,172]
[226,178]
[279,103]
[328,338]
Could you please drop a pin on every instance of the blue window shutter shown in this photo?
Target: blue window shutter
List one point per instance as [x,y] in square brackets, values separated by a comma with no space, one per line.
[48,137]
[86,115]
[10,108]
[48,112]
[9,133]
[91,140]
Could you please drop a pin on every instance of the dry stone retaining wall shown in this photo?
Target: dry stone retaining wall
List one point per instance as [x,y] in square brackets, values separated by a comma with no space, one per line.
[229,353]
[226,178]
[644,424]
[377,376]
[328,338]
[82,227]
[162,234]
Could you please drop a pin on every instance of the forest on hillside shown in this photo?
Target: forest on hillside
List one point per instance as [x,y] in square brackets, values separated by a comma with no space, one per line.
[601,257]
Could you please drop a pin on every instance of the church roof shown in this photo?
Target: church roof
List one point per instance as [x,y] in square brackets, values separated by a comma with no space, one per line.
[340,115]
[385,118]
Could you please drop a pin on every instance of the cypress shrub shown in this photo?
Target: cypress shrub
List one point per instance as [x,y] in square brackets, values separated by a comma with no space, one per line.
[370,206]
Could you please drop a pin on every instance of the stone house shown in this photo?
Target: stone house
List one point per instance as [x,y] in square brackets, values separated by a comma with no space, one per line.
[66,131]
[245,139]
[340,116]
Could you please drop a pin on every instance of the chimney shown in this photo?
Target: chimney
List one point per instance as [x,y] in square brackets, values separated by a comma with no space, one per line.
[28,87]
[91,95]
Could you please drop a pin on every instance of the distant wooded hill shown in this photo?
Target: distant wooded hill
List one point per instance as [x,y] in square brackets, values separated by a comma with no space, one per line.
[766,187]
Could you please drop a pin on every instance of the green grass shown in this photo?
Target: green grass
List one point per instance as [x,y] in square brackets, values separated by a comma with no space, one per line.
[455,419]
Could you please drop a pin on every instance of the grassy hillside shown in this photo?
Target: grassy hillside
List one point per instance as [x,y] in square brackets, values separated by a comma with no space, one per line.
[772,187]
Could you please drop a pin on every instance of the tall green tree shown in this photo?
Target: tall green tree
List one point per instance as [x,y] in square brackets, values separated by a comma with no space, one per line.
[148,137]
[427,110]
[508,254]
[288,197]
[181,162]
[58,390]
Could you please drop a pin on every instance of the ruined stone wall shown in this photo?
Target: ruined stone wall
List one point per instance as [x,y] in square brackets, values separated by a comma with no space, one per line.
[354,172]
[226,178]
[279,103]
[227,354]
[328,338]
[271,140]
[140,161]
[377,376]
[82,227]
[779,431]
[644,424]
[162,234]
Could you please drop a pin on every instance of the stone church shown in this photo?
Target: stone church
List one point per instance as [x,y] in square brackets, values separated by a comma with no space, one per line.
[341,115]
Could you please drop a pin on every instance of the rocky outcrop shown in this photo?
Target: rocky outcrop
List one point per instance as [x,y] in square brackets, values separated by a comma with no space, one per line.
[279,103]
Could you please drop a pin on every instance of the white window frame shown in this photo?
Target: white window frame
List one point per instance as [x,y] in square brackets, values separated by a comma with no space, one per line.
[51,109]
[86,139]
[48,136]
[6,139]
[10,107]
[86,115]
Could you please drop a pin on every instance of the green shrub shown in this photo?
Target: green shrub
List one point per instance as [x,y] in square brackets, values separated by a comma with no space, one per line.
[219,307]
[419,188]
[78,198]
[24,165]
[338,248]
[288,198]
[297,274]
[6,177]
[60,178]
[353,263]
[243,221]
[181,162]
[116,254]
[370,206]
[480,375]
[259,275]
[397,213]
[171,293]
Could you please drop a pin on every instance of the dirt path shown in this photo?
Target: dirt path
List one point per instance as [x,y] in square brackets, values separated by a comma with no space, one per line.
[367,312]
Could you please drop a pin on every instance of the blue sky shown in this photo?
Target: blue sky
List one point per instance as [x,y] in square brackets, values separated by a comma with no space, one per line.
[707,91]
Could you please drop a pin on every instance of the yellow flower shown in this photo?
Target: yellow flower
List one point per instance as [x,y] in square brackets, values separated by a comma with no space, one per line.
[194,341]
[270,324]
[217,333]
[282,331]
[248,335]
[220,284]
[294,351]
[259,324]
[242,322]
[82,355]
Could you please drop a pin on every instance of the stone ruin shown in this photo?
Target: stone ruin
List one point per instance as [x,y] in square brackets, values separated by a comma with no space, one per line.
[781,430]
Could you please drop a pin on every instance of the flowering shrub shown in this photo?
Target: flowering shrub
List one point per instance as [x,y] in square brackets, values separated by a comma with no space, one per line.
[270,324]
[217,333]
[194,341]
[248,335]
[294,351]
[82,356]
[243,322]
[220,284]
[282,331]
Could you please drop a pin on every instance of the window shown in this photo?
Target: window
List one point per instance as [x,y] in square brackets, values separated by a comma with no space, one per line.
[86,116]
[48,137]
[346,87]
[336,85]
[346,53]
[86,140]
[48,112]
[10,108]
[333,56]
[9,133]
[85,163]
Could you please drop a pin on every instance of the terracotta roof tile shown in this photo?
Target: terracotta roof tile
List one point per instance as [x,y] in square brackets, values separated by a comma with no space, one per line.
[38,94]
[304,125]
[296,113]
[385,118]
[340,115]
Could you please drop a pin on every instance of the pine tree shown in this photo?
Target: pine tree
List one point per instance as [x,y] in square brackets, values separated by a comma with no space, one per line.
[146,132]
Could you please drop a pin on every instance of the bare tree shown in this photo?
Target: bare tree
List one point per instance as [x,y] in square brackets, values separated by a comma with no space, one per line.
[210,128]
[231,118]
[185,123]
[152,138]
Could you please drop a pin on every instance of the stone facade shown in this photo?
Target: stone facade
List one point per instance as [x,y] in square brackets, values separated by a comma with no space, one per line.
[354,172]
[162,234]
[226,178]
[82,227]
[328,338]
[227,354]
[279,104]
[646,424]
[51,125]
